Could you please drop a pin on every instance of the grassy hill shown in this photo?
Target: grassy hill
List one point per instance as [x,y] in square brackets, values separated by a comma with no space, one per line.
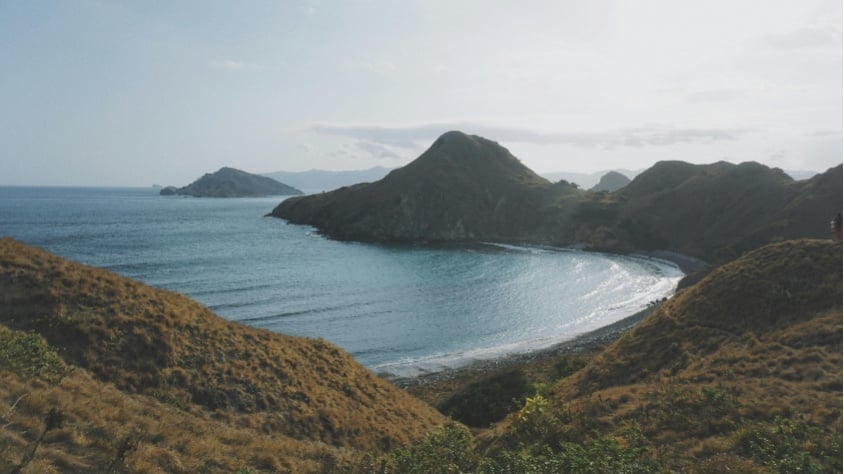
[464,187]
[467,188]
[612,181]
[741,372]
[121,360]
[721,210]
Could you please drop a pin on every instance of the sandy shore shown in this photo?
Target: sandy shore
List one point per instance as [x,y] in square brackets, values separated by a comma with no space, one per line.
[585,342]
[580,344]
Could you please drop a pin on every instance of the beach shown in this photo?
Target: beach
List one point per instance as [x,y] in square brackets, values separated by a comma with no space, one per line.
[587,343]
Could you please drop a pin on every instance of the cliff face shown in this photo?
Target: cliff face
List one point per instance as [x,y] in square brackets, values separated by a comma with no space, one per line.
[230,182]
[462,188]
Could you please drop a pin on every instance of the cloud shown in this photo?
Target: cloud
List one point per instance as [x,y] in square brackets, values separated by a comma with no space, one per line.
[410,137]
[715,96]
[806,37]
[377,150]
[825,133]
[232,65]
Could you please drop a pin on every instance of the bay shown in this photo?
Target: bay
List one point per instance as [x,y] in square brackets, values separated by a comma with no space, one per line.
[398,309]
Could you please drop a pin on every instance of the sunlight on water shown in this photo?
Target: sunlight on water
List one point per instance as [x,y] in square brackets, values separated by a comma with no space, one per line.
[396,309]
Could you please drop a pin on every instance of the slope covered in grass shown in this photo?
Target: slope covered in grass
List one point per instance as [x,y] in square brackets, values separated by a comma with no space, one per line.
[741,371]
[169,348]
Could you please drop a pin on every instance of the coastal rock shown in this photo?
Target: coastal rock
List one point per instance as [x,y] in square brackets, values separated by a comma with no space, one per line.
[230,182]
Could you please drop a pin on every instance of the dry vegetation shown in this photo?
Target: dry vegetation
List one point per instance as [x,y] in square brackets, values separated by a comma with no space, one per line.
[164,359]
[741,371]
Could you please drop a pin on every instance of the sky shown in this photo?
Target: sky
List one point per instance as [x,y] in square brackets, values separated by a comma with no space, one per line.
[132,93]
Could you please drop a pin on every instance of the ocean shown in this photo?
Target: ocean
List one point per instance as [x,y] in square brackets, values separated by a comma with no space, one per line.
[400,310]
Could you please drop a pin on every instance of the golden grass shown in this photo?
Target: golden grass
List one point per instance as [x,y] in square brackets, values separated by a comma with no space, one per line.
[756,343]
[180,379]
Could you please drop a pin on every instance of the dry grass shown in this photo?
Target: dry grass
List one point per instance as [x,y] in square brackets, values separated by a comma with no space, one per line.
[753,350]
[160,368]
[741,371]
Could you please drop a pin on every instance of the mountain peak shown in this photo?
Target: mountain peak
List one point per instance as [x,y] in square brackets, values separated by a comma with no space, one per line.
[463,187]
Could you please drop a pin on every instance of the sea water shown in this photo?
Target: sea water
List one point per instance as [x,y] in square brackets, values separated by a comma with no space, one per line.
[397,309]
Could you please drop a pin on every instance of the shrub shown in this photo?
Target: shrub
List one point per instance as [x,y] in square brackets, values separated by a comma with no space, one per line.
[445,450]
[788,446]
[598,454]
[28,355]
[489,400]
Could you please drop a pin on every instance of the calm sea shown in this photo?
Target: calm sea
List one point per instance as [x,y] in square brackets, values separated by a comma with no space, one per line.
[401,310]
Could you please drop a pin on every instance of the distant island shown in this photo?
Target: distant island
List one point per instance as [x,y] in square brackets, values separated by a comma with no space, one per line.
[469,188]
[230,182]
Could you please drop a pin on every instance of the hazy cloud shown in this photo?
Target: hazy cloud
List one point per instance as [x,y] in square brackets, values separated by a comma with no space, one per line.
[807,37]
[377,150]
[412,136]
[715,96]
[825,133]
[232,65]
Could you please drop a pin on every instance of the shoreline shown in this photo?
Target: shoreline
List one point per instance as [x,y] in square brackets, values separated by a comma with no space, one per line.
[578,345]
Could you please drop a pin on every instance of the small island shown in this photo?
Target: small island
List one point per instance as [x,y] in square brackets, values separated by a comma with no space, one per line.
[229,182]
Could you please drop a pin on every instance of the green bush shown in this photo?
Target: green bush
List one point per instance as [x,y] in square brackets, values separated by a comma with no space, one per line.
[788,446]
[28,355]
[489,400]
[599,454]
[445,450]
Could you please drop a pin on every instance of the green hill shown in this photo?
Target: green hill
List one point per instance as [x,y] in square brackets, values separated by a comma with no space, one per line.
[463,187]
[610,182]
[467,188]
[230,182]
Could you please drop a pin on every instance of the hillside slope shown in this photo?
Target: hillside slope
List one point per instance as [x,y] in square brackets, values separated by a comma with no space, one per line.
[161,344]
[230,182]
[741,371]
[722,210]
[463,187]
